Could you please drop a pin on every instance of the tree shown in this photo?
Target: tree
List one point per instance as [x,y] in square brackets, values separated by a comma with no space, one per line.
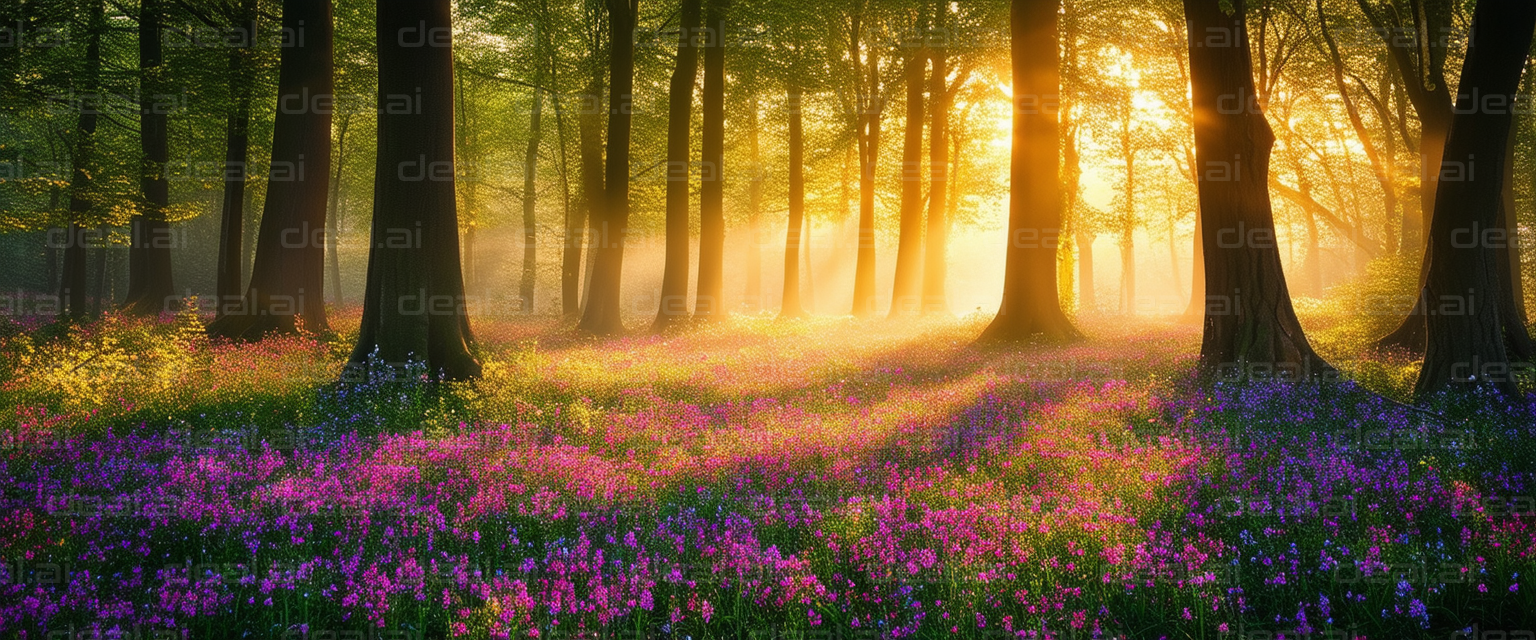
[674,280]
[1031,305]
[530,203]
[237,145]
[1466,288]
[288,278]
[72,279]
[589,134]
[906,296]
[794,239]
[149,254]
[1249,322]
[602,315]
[414,305]
[868,106]
[709,303]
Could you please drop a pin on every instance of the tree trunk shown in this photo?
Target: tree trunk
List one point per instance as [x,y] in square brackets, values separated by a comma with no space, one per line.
[1421,60]
[73,281]
[1128,224]
[674,280]
[603,313]
[754,290]
[1466,292]
[709,303]
[530,205]
[414,308]
[1507,254]
[936,242]
[906,296]
[1087,297]
[793,239]
[288,277]
[1249,322]
[230,274]
[870,108]
[589,133]
[1031,305]
[333,221]
[99,300]
[808,297]
[150,289]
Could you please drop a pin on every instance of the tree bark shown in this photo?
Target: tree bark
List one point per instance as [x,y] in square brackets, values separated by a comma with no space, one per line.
[793,239]
[1421,60]
[1031,305]
[230,274]
[150,289]
[935,299]
[414,307]
[674,280]
[603,313]
[73,280]
[1251,329]
[333,221]
[288,278]
[1468,288]
[870,107]
[530,205]
[709,302]
[754,289]
[906,298]
[589,134]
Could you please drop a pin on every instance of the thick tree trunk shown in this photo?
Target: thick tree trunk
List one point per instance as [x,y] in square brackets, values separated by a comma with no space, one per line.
[229,272]
[1250,328]
[709,302]
[870,109]
[793,239]
[603,312]
[1031,305]
[288,277]
[936,242]
[1468,287]
[906,297]
[1420,58]
[1507,253]
[414,307]
[674,280]
[150,289]
[589,134]
[530,205]
[73,280]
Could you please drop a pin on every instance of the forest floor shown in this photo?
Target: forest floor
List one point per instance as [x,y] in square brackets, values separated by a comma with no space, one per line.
[825,478]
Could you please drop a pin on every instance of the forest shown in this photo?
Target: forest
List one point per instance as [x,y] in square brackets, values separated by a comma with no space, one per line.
[767,319]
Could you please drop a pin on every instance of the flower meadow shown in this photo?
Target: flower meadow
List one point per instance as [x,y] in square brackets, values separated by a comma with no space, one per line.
[757,479]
